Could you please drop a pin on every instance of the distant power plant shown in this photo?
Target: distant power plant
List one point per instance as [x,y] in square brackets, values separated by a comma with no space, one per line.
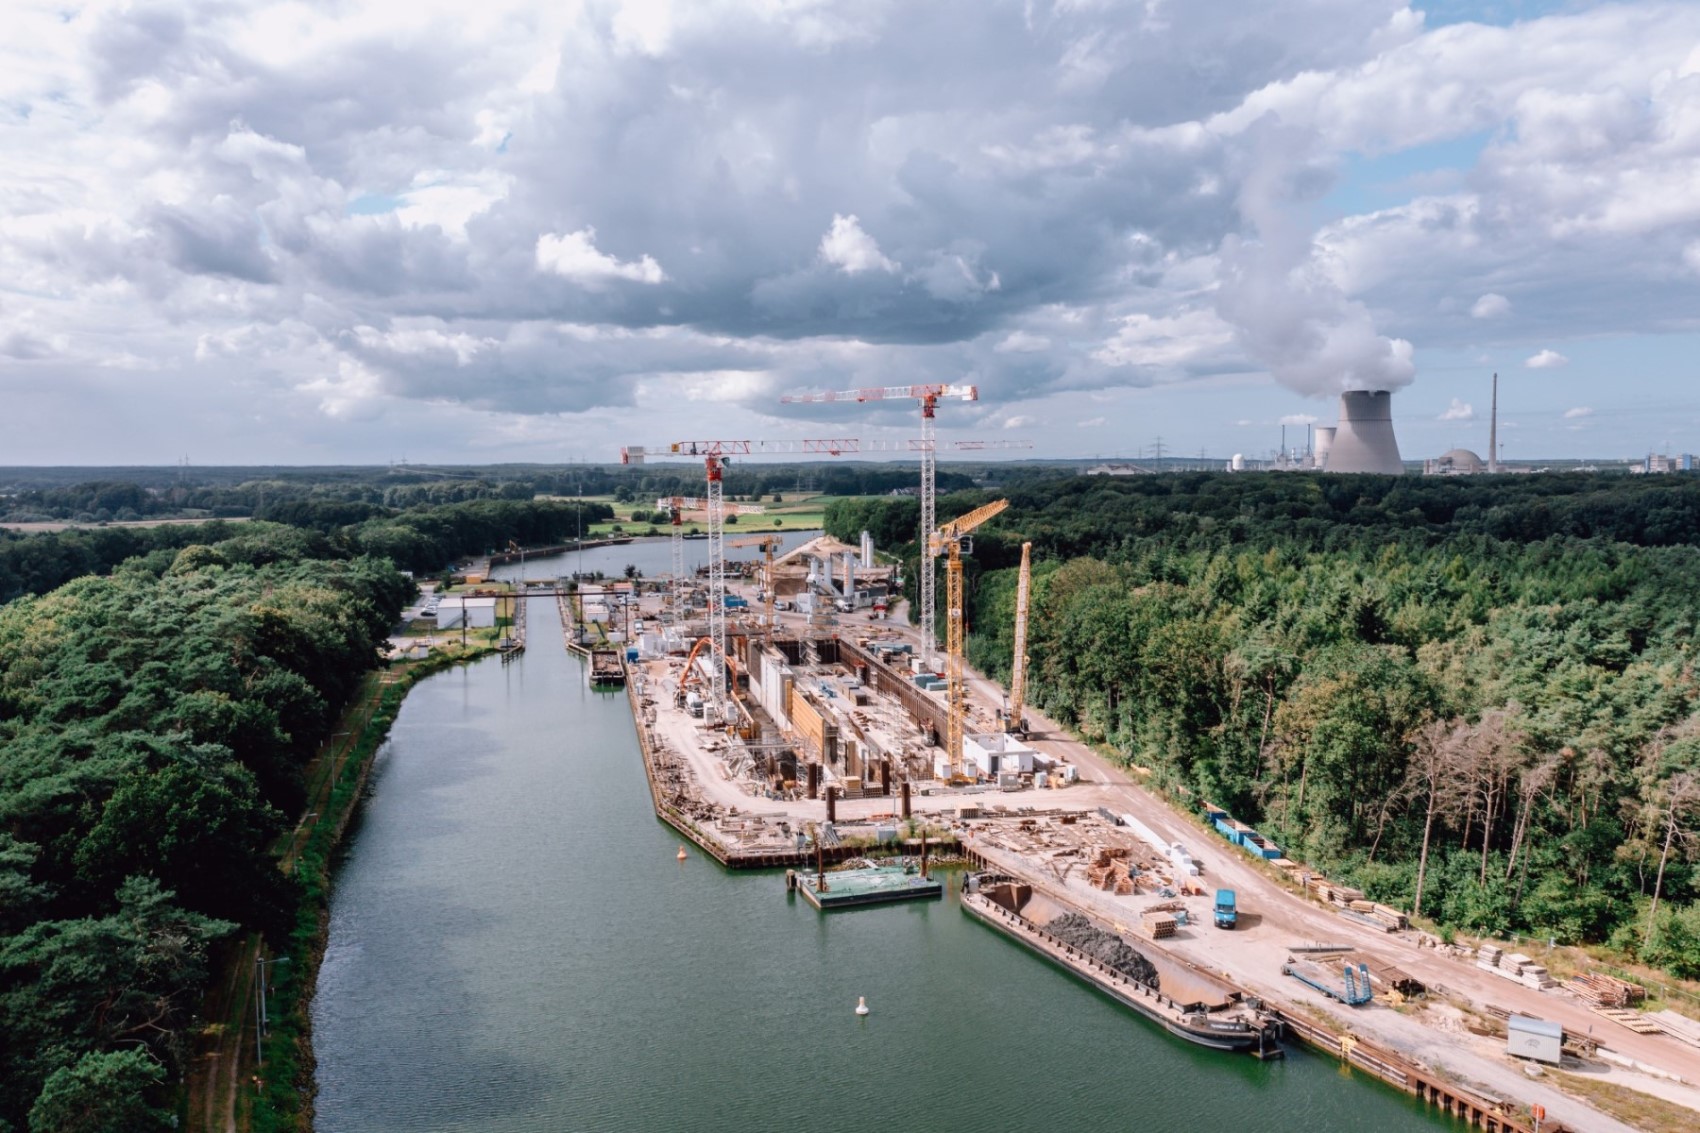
[1363,441]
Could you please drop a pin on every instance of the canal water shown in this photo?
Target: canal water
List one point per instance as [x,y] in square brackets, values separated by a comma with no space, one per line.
[514,949]
[652,557]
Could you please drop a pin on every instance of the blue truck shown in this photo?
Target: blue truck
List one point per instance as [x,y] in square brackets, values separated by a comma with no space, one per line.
[1226,913]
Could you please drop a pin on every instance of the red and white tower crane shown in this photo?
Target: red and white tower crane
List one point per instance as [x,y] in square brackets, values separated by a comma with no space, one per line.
[929,397]
[714,455]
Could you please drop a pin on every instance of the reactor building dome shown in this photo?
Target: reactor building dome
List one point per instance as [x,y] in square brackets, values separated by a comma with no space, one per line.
[1363,441]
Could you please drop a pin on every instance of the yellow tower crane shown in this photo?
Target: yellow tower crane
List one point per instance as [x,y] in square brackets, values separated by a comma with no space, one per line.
[952,539]
[768,543]
[1014,723]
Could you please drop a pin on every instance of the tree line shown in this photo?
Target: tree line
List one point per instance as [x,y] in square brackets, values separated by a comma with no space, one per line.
[1474,698]
[129,495]
[423,539]
[155,723]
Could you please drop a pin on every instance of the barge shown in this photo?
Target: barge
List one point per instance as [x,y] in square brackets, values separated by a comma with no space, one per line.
[873,885]
[607,668]
[1237,1023]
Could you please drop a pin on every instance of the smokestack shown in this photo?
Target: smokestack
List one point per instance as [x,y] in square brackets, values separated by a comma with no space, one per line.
[1493,429]
[1324,442]
[1364,441]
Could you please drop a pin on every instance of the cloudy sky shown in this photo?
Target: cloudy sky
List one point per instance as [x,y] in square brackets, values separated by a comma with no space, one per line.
[434,230]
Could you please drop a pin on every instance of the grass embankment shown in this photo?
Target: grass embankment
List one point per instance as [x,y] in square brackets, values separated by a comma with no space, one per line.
[795,511]
[1643,1111]
[282,1099]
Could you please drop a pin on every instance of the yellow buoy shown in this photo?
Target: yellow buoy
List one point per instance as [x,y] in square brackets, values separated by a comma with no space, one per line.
[682,854]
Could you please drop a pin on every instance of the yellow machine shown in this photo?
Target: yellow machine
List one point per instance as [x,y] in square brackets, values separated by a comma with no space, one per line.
[949,539]
[1015,722]
[768,543]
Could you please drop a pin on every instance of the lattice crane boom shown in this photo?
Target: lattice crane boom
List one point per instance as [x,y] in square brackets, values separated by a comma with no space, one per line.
[949,539]
[928,396]
[715,455]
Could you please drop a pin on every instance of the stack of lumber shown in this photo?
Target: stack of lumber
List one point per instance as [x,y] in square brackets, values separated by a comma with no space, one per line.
[1157,923]
[1487,957]
[1679,1027]
[1525,971]
[1598,990]
[1381,916]
[1634,1020]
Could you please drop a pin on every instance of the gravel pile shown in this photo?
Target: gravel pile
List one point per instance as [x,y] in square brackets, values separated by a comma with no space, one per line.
[1106,948]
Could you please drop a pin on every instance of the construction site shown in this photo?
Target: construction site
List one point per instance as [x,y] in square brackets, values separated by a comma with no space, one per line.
[792,716]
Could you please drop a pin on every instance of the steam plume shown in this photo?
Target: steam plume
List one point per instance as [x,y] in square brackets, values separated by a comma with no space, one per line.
[1288,313]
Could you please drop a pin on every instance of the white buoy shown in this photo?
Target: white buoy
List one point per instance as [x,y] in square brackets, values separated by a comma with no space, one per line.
[861,1005]
[682,854]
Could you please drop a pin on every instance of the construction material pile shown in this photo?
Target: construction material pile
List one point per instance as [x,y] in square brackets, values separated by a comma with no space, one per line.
[1108,949]
[1599,990]
[1515,966]
[1112,871]
[1384,917]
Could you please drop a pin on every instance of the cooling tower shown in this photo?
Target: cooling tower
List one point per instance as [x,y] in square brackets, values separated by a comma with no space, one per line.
[1320,446]
[1364,441]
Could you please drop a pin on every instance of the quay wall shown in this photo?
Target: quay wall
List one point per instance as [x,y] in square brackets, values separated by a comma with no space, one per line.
[1476,1110]
[733,858]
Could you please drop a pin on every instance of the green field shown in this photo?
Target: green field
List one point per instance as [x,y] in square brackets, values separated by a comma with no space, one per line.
[796,511]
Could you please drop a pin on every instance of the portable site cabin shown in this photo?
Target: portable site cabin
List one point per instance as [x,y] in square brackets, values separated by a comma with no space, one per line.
[1534,1038]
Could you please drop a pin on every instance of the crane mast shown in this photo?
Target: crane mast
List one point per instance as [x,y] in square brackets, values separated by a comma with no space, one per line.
[1015,722]
[768,544]
[951,539]
[928,396]
[675,507]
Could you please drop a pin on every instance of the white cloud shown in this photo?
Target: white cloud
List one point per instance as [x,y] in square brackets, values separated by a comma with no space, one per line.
[1092,422]
[1458,411]
[574,256]
[1490,306]
[1020,342]
[1545,360]
[449,202]
[1020,421]
[848,248]
[202,217]
[1298,419]
[1579,412]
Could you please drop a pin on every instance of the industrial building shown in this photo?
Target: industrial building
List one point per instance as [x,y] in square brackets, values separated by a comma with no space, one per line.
[1656,464]
[477,613]
[1456,462]
[1363,441]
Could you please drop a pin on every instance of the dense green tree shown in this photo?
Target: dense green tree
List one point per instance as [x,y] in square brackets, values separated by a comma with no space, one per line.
[104,1092]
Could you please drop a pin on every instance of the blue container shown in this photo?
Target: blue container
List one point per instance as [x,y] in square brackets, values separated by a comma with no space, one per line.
[631,654]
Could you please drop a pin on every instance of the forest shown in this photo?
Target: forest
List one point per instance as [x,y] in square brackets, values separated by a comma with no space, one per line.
[423,539]
[357,494]
[155,723]
[1473,697]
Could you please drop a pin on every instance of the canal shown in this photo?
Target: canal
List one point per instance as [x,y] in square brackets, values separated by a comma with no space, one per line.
[514,947]
[653,558]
